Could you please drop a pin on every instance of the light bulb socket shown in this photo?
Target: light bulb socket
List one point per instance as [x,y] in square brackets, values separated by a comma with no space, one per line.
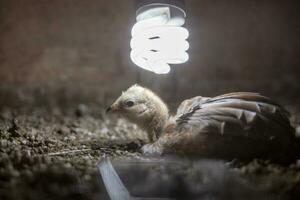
[177,6]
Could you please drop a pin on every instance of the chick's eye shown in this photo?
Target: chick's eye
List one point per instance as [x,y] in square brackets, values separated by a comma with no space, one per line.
[129,103]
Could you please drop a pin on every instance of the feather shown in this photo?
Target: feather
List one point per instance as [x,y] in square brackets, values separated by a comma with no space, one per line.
[243,114]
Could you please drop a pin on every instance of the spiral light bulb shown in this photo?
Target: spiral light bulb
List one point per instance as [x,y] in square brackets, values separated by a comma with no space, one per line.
[158,40]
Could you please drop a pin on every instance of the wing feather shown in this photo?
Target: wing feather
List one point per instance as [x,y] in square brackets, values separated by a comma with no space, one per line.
[235,114]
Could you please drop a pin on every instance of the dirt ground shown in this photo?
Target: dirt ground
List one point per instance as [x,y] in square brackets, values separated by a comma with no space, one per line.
[54,155]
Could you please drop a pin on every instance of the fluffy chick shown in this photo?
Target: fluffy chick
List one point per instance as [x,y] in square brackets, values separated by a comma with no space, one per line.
[142,107]
[236,125]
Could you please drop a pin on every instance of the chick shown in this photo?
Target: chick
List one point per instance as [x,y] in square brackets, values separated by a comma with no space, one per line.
[236,125]
[143,107]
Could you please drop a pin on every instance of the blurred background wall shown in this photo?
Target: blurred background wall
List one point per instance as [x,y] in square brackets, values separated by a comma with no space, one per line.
[66,51]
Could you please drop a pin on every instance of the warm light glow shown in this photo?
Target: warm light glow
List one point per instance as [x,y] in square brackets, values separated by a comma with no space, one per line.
[159,40]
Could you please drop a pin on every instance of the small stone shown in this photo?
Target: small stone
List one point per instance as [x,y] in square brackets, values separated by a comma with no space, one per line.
[298,131]
[298,163]
[72,137]
[24,142]
[119,152]
[14,129]
[63,130]
[87,177]
[81,110]
[27,173]
[4,143]
[28,153]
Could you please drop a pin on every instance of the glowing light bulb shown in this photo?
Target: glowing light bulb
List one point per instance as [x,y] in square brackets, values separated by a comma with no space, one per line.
[159,40]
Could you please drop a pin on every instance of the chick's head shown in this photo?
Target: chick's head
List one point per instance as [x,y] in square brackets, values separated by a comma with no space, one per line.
[134,104]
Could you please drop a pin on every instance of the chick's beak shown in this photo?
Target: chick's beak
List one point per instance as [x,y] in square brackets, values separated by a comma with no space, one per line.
[108,110]
[113,108]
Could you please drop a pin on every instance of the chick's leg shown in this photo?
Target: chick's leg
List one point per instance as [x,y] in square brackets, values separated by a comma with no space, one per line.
[160,146]
[170,144]
[154,147]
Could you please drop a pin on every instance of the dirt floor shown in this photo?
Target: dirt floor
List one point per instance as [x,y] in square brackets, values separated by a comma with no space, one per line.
[54,155]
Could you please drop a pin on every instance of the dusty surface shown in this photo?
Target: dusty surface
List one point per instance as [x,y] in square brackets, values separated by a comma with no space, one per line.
[53,155]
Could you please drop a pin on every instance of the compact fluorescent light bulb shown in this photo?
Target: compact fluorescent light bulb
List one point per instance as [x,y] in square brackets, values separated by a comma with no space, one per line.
[158,39]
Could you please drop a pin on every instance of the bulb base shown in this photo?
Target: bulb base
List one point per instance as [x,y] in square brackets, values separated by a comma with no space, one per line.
[177,7]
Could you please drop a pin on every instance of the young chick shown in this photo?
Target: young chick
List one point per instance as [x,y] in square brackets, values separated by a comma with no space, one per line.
[237,125]
[143,107]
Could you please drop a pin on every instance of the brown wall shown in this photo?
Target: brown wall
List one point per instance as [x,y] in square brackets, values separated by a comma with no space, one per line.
[81,48]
